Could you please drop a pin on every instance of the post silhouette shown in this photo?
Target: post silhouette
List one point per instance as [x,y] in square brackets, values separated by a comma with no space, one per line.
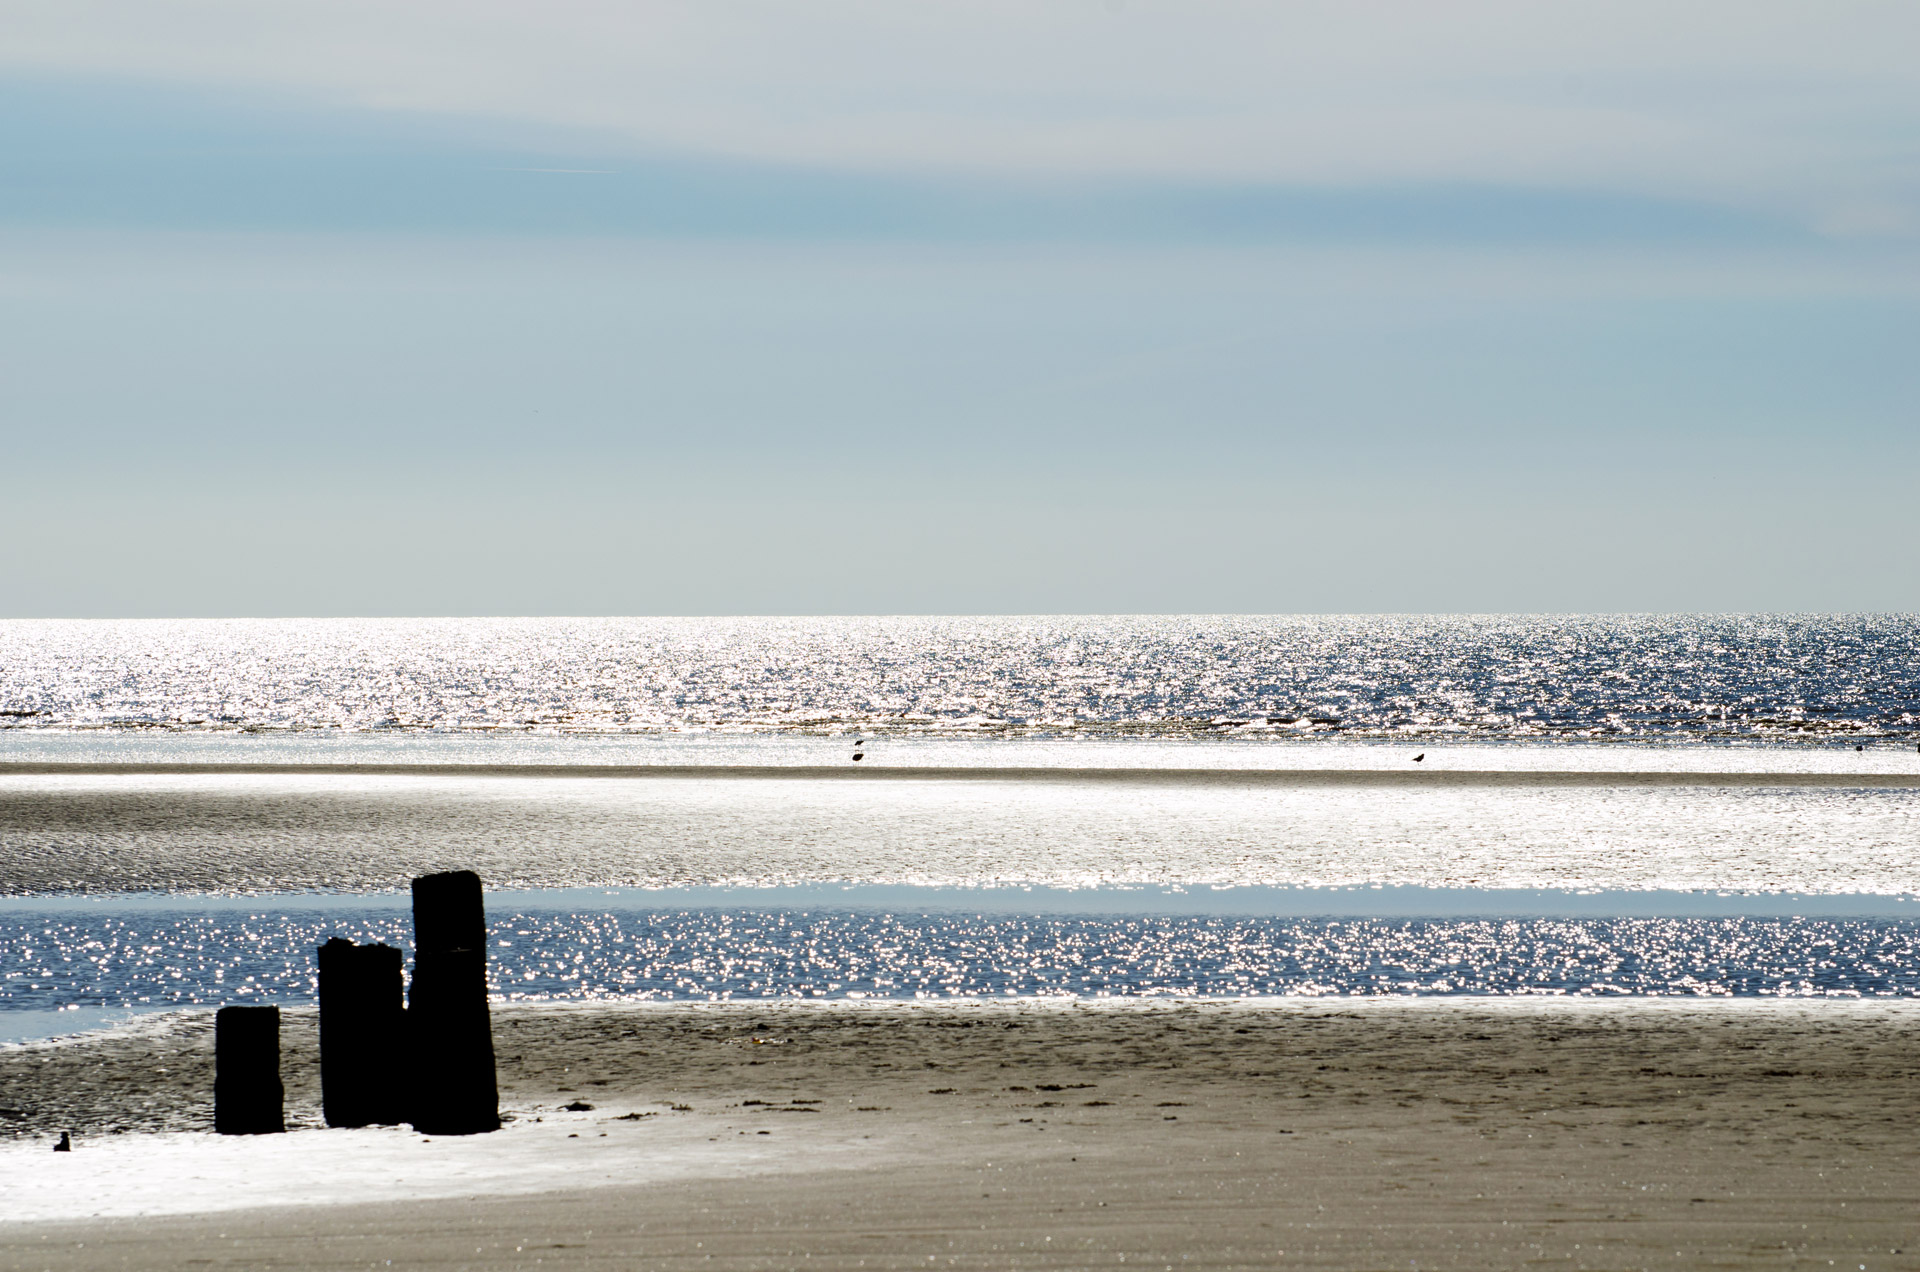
[362,1040]
[452,1091]
[247,1096]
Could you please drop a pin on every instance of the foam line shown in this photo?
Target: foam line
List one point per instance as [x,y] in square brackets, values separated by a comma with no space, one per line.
[1225,778]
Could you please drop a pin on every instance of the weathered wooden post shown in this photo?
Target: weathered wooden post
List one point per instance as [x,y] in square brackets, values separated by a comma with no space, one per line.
[451,1091]
[362,1044]
[247,1096]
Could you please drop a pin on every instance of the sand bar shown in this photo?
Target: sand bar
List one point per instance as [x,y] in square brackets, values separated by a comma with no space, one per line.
[301,830]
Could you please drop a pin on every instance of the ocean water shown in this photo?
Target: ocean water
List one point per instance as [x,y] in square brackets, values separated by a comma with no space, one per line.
[1085,806]
[182,958]
[1642,677]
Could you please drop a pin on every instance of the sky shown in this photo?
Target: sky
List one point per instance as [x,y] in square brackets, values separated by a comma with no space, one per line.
[862,306]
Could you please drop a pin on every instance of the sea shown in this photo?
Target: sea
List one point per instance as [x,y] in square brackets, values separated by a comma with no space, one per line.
[1701,806]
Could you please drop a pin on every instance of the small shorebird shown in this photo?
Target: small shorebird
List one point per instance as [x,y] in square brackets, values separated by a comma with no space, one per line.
[1420,757]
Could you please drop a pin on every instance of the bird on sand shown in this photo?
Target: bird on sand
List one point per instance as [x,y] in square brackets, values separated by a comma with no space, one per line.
[1420,757]
[66,1143]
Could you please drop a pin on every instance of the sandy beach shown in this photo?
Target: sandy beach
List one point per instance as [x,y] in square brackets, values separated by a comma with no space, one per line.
[959,635]
[1297,1134]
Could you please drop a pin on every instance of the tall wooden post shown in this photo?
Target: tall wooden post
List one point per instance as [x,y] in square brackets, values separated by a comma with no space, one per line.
[362,1044]
[452,1087]
[247,1096]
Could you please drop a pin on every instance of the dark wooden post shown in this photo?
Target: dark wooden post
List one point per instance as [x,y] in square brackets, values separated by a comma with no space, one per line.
[452,1089]
[362,1014]
[247,1096]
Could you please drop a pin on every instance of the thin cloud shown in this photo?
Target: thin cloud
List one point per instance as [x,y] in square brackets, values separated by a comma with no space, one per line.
[1808,109]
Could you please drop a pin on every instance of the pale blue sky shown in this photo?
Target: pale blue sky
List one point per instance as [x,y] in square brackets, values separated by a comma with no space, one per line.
[412,308]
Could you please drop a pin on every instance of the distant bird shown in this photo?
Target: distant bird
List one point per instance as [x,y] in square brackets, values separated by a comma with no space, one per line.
[1859,748]
[1420,757]
[65,1145]
[858,756]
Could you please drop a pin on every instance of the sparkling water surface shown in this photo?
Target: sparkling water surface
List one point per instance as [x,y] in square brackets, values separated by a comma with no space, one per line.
[183,959]
[1642,677]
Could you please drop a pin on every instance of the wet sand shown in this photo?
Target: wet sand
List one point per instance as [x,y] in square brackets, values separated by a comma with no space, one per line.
[1310,1134]
[234,830]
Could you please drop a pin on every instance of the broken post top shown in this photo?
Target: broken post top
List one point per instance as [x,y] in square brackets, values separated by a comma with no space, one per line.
[342,955]
[248,1022]
[448,913]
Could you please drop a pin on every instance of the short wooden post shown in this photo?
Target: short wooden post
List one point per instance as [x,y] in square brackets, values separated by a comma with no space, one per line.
[362,1018]
[452,1079]
[247,1096]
